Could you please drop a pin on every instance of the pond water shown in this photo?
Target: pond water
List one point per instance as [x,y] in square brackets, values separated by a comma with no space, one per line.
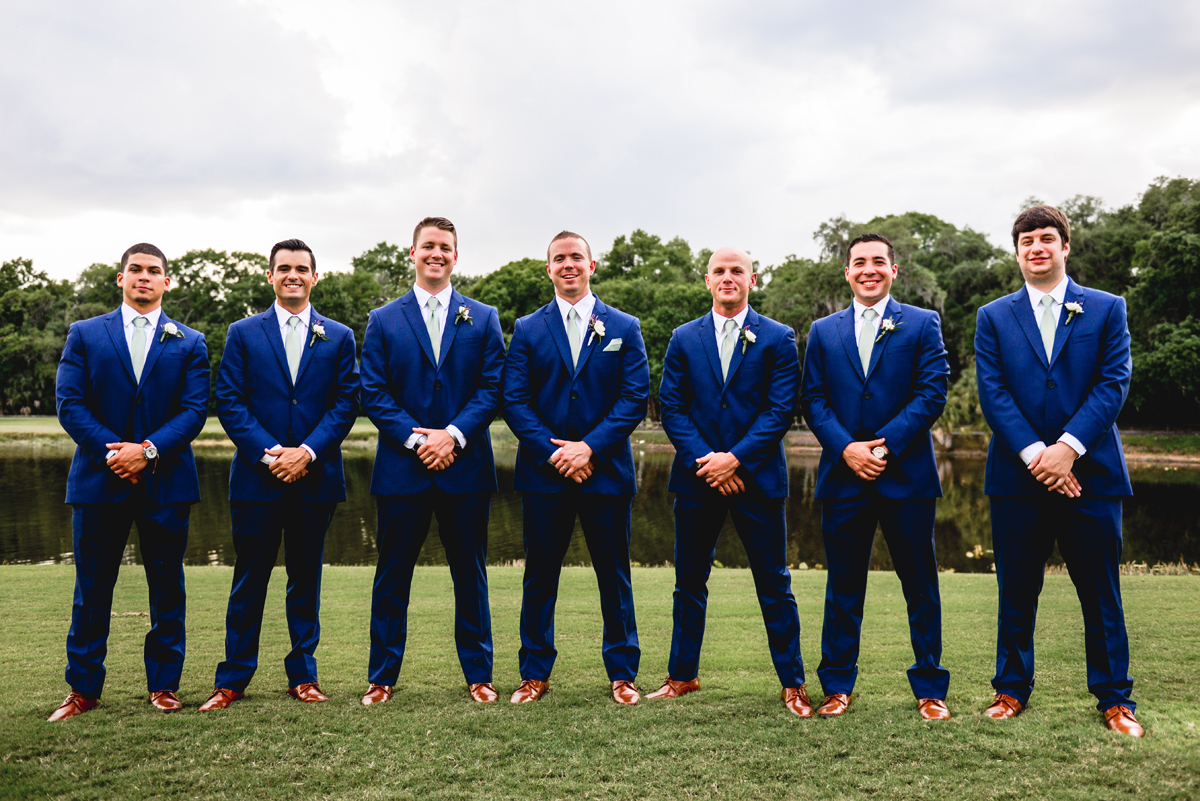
[1162,520]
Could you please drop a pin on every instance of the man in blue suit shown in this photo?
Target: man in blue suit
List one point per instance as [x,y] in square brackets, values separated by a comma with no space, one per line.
[576,385]
[432,364]
[133,393]
[1053,366]
[875,380]
[287,394]
[728,397]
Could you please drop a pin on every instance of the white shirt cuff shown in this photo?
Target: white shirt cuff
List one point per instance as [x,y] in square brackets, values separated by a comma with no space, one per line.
[311,455]
[268,458]
[1075,444]
[411,442]
[1027,453]
[453,431]
[551,459]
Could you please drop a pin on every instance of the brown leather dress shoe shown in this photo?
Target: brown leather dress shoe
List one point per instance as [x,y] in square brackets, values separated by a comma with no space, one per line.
[1120,718]
[933,709]
[1004,707]
[483,693]
[834,705]
[796,700]
[221,698]
[309,692]
[75,704]
[378,694]
[166,701]
[625,693]
[674,689]
[530,690]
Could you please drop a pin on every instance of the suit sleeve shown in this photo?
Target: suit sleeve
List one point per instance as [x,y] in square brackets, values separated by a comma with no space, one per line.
[814,399]
[629,409]
[931,382]
[1103,403]
[775,418]
[377,400]
[339,418]
[675,402]
[518,398]
[178,432]
[478,413]
[72,394]
[999,407]
[233,410]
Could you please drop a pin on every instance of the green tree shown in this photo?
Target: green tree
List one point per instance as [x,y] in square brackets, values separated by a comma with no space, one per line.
[645,256]
[390,266]
[518,288]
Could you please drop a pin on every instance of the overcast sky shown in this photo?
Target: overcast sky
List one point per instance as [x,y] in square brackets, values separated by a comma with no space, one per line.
[233,125]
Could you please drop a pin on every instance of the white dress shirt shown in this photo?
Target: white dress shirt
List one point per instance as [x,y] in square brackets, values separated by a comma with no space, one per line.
[719,323]
[443,313]
[860,321]
[1059,293]
[283,315]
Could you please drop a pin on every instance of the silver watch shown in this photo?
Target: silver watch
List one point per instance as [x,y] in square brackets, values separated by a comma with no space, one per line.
[421,440]
[879,452]
[149,452]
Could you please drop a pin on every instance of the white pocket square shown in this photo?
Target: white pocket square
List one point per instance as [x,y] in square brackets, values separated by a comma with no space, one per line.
[613,344]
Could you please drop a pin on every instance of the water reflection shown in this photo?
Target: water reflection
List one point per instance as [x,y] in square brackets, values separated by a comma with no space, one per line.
[1161,522]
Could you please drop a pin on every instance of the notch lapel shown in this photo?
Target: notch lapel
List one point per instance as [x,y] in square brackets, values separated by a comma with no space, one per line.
[590,341]
[451,329]
[558,332]
[306,349]
[845,327]
[412,313]
[115,325]
[893,311]
[740,346]
[1023,313]
[708,341]
[1073,293]
[271,330]
[153,346]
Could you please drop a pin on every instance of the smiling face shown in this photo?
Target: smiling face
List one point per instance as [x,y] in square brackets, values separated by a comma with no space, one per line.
[1042,256]
[434,256]
[730,278]
[870,272]
[570,267]
[143,281]
[292,278]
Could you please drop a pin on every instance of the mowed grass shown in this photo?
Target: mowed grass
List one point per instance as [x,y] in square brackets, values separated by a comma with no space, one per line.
[731,740]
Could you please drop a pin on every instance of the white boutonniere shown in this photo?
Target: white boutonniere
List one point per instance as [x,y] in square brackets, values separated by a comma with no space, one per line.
[886,326]
[596,328]
[1073,309]
[748,338]
[318,332]
[170,330]
[463,314]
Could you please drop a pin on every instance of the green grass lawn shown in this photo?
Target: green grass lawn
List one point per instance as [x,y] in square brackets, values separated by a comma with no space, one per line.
[731,740]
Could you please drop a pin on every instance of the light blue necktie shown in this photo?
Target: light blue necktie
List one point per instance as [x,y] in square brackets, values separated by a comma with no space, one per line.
[1047,326]
[137,350]
[574,337]
[292,346]
[432,325]
[727,347]
[866,339]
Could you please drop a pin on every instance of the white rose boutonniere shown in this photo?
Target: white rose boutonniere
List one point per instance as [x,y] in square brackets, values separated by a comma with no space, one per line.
[1073,309]
[318,332]
[596,328]
[886,326]
[748,338]
[463,314]
[170,330]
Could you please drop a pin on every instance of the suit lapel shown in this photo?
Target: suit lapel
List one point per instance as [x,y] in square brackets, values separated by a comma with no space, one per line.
[558,332]
[845,327]
[892,311]
[1023,313]
[306,349]
[115,325]
[451,329]
[271,330]
[740,346]
[590,341]
[412,313]
[1073,293]
[708,341]
[154,346]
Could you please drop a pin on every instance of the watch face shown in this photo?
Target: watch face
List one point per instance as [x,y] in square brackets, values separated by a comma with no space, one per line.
[879,452]
[150,453]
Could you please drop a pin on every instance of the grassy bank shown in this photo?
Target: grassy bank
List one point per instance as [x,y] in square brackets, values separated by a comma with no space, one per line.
[731,740]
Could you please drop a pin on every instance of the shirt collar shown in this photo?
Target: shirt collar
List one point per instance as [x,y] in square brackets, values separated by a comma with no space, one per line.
[442,296]
[128,313]
[583,308]
[284,315]
[739,318]
[879,307]
[1059,293]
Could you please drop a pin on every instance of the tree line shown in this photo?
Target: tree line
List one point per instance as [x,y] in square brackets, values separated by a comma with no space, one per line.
[1147,251]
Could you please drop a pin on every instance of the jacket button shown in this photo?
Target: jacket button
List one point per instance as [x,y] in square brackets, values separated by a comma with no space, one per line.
[294,401]
[724,404]
[574,396]
[1050,385]
[866,396]
[437,385]
[139,401]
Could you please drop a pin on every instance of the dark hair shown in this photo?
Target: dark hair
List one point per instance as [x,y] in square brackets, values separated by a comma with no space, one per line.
[569,235]
[1041,217]
[291,244]
[148,249]
[872,238]
[440,223]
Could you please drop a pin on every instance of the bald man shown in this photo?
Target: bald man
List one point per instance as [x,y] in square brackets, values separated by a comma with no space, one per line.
[728,397]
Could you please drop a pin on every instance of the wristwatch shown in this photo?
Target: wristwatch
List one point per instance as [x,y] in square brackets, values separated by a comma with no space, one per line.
[150,454]
[421,440]
[879,452]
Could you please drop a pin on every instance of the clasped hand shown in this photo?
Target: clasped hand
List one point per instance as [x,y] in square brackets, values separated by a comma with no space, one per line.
[291,464]
[572,460]
[865,464]
[129,460]
[719,470]
[437,451]
[1052,467]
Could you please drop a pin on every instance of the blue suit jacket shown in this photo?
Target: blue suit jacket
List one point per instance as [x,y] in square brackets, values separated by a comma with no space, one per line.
[99,402]
[260,407]
[1026,398]
[403,388]
[747,415]
[900,397]
[600,402]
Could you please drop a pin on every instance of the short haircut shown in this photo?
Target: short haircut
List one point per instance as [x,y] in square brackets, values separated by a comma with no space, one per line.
[291,244]
[1041,217]
[569,235]
[872,238]
[148,249]
[441,223]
